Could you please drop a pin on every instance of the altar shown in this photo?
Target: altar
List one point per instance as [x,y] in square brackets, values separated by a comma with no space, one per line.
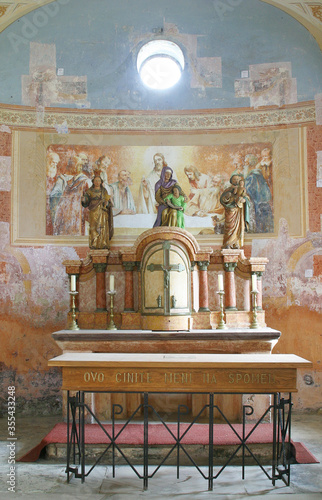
[85,373]
[166,294]
[168,328]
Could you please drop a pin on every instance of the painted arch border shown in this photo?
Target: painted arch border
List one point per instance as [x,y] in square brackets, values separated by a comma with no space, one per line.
[302,13]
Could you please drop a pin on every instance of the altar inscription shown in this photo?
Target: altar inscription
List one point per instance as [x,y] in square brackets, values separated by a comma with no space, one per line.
[175,380]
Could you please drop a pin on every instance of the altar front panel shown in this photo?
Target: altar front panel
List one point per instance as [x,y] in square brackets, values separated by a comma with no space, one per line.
[180,373]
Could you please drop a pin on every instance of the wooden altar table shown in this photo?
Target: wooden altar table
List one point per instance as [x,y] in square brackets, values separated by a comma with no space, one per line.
[177,373]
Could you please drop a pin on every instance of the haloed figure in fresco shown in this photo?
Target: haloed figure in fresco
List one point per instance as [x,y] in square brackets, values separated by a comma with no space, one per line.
[103,163]
[51,164]
[204,193]
[98,202]
[260,192]
[65,198]
[122,197]
[52,161]
[146,200]
[235,201]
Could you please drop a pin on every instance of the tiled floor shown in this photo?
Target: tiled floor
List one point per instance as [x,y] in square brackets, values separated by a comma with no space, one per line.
[42,480]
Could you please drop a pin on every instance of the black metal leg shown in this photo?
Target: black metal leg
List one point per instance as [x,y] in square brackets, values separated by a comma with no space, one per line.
[281,408]
[68,442]
[178,438]
[146,441]
[289,439]
[274,464]
[211,443]
[284,419]
[243,449]
[82,434]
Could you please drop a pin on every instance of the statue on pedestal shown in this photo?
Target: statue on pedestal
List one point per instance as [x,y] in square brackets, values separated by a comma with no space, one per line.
[171,200]
[99,204]
[236,204]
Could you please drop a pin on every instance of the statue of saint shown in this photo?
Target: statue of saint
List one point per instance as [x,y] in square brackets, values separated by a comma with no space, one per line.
[99,204]
[236,204]
[167,214]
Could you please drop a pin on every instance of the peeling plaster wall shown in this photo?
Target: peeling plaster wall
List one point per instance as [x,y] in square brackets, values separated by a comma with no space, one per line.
[246,35]
[35,301]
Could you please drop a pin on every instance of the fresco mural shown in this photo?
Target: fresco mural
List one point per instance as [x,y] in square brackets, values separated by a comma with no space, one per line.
[130,174]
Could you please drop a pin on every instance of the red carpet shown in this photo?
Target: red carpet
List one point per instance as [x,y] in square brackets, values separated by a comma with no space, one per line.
[158,435]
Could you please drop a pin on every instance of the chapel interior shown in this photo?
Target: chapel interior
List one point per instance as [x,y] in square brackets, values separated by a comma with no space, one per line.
[73,106]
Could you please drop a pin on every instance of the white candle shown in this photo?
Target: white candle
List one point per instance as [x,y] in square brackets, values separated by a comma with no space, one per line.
[254,282]
[112,283]
[73,283]
[220,282]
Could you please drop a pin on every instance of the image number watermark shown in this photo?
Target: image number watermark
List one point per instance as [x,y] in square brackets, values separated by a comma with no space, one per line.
[11,445]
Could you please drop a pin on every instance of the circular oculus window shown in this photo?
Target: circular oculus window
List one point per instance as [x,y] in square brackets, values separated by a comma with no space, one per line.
[160,64]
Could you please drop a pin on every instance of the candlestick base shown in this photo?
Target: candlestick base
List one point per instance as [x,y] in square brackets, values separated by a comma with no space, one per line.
[254,324]
[73,325]
[111,325]
[221,325]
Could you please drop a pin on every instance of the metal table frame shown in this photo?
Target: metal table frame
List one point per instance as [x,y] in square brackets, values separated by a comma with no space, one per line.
[281,443]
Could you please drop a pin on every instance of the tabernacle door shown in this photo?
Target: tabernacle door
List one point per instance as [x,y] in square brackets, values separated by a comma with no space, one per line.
[166,280]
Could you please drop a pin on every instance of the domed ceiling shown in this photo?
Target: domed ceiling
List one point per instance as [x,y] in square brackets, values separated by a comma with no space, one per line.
[238,53]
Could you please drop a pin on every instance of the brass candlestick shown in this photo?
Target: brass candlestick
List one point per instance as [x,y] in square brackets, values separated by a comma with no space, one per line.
[221,325]
[111,325]
[73,325]
[254,323]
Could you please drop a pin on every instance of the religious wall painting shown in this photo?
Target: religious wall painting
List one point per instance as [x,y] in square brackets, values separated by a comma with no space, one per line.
[45,211]
[268,84]
[130,173]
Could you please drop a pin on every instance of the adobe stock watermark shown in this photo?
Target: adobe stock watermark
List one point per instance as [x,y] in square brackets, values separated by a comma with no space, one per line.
[223,7]
[11,446]
[30,27]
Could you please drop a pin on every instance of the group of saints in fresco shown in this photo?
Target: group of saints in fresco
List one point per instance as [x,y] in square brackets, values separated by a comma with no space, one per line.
[246,198]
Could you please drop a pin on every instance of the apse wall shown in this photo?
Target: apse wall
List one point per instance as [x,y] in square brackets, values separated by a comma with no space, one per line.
[95,44]
[98,102]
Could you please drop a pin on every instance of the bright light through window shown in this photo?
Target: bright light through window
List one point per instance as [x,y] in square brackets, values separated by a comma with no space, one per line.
[160,64]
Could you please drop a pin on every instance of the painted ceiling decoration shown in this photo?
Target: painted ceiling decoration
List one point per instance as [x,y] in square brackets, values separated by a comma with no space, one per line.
[307,12]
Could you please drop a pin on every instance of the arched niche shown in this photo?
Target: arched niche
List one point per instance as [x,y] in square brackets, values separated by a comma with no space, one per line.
[166,279]
[162,307]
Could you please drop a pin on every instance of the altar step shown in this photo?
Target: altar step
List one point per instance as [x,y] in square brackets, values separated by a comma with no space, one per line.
[161,438]
[199,453]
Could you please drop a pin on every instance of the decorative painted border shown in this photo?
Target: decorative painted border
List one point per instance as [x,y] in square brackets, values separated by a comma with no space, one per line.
[131,121]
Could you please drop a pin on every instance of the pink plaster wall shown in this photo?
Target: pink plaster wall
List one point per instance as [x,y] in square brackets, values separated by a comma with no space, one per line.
[34,299]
